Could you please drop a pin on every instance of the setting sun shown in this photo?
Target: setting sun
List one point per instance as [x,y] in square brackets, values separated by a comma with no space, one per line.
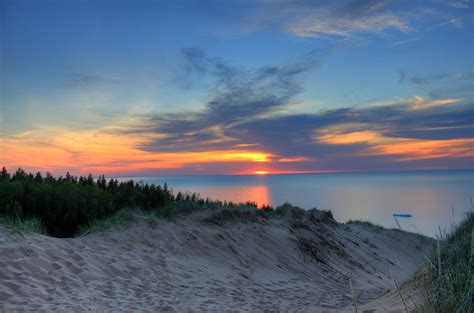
[261,172]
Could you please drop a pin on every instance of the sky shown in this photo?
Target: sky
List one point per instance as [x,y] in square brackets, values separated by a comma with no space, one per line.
[147,88]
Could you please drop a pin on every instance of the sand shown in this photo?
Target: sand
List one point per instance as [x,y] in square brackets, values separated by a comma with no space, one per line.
[280,264]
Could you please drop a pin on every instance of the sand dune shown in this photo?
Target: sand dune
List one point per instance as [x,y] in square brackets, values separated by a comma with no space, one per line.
[200,263]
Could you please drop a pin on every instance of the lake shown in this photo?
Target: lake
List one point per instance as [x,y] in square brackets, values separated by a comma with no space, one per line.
[433,198]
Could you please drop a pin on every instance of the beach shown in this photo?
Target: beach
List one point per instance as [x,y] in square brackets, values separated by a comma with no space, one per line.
[214,261]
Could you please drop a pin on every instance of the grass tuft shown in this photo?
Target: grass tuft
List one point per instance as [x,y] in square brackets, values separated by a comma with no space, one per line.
[31,225]
[365,223]
[448,288]
[234,214]
[121,217]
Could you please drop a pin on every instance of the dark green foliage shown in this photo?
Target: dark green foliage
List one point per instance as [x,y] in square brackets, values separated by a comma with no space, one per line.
[452,290]
[65,204]
[14,211]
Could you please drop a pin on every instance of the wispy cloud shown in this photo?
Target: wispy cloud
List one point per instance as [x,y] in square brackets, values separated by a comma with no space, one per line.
[350,19]
[401,76]
[405,41]
[464,76]
[431,78]
[428,79]
[88,80]
[456,22]
[323,24]
[421,103]
[462,4]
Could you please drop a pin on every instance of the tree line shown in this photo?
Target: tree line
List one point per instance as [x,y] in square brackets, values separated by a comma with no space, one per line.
[64,204]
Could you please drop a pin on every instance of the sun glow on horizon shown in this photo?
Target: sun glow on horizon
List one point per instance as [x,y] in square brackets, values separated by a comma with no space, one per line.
[102,151]
[261,172]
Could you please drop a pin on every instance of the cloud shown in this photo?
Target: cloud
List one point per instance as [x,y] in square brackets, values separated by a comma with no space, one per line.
[294,159]
[102,151]
[344,19]
[247,120]
[319,24]
[402,75]
[404,149]
[421,103]
[463,4]
[347,138]
[464,76]
[385,137]
[428,79]
[88,80]
[351,19]
[238,95]
[456,22]
[405,41]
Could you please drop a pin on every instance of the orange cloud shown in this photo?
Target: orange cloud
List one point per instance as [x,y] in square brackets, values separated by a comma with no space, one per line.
[408,149]
[101,151]
[291,160]
[341,138]
[413,103]
[417,149]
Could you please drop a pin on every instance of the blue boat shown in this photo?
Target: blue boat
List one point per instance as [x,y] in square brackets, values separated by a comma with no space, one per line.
[404,215]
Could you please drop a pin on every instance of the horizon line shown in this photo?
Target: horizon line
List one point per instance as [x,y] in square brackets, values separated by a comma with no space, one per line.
[303,173]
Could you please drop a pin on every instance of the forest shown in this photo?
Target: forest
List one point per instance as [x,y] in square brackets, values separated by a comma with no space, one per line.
[65,204]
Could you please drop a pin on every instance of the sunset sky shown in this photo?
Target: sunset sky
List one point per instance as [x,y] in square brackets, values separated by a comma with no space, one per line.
[141,88]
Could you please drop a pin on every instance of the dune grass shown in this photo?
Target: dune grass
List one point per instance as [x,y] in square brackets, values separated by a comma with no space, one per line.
[368,224]
[121,217]
[31,225]
[448,286]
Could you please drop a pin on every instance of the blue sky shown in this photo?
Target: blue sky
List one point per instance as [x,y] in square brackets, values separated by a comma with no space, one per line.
[321,85]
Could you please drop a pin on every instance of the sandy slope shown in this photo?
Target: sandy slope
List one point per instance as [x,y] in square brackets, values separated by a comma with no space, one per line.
[188,265]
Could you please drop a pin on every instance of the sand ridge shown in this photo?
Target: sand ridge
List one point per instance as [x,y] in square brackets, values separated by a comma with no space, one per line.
[189,264]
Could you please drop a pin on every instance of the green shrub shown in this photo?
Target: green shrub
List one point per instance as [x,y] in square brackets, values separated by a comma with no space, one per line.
[450,291]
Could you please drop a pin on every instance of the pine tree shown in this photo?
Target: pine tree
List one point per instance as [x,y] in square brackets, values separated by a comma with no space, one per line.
[38,177]
[20,174]
[4,175]
[49,177]
[90,180]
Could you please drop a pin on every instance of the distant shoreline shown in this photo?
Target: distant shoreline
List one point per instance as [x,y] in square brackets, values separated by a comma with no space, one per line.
[302,173]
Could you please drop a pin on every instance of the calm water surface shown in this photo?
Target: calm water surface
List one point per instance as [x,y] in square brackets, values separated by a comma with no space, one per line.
[428,195]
